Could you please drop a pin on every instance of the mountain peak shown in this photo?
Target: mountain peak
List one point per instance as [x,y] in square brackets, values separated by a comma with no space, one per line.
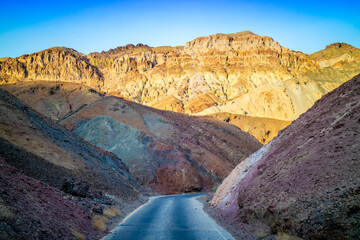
[121,50]
[240,34]
[340,45]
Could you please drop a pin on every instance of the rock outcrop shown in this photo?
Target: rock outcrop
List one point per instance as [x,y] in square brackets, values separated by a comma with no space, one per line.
[241,73]
[306,181]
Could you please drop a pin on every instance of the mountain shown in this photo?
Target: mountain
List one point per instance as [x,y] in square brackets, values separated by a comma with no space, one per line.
[47,172]
[166,152]
[53,64]
[306,181]
[242,74]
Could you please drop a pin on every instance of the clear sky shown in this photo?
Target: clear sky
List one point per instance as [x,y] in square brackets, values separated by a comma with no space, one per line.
[28,26]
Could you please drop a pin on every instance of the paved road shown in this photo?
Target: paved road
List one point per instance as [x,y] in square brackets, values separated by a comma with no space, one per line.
[177,217]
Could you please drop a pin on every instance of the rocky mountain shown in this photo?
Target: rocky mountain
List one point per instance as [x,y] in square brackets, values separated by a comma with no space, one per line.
[306,181]
[51,173]
[166,152]
[54,64]
[241,74]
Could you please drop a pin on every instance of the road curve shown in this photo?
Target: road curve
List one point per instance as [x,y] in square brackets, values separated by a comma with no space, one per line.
[176,217]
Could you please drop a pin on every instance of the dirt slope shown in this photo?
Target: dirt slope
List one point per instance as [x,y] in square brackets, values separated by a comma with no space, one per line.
[62,165]
[305,182]
[30,209]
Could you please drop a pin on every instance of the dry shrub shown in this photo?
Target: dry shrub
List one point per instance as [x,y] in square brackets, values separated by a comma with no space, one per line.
[99,223]
[77,235]
[112,212]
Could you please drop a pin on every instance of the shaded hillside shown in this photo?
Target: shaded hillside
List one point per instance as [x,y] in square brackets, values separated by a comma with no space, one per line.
[37,147]
[305,182]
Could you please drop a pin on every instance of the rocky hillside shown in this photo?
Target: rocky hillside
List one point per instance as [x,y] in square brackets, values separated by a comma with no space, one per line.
[53,99]
[208,71]
[242,74]
[306,182]
[54,64]
[166,152]
[263,129]
[22,203]
[62,172]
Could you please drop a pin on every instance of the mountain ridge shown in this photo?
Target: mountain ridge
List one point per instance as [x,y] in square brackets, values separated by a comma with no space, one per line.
[241,73]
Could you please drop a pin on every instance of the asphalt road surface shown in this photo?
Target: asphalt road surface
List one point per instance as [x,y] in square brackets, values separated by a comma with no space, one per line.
[177,217]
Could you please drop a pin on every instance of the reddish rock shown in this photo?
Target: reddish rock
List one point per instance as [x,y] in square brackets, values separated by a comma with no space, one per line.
[305,182]
[36,211]
[150,141]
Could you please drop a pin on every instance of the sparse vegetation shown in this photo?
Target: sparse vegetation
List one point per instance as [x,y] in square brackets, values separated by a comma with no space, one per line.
[112,212]
[99,223]
[77,235]
[215,188]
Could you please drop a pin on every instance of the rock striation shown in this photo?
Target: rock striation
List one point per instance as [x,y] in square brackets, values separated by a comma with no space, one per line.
[306,181]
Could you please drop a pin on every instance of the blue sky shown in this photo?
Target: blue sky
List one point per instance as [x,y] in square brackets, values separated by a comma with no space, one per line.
[88,26]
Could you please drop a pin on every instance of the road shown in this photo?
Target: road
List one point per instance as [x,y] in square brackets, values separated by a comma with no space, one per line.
[177,217]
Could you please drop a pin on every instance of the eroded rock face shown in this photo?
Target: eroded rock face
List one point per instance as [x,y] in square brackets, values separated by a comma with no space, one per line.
[53,64]
[306,181]
[223,65]
[241,73]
